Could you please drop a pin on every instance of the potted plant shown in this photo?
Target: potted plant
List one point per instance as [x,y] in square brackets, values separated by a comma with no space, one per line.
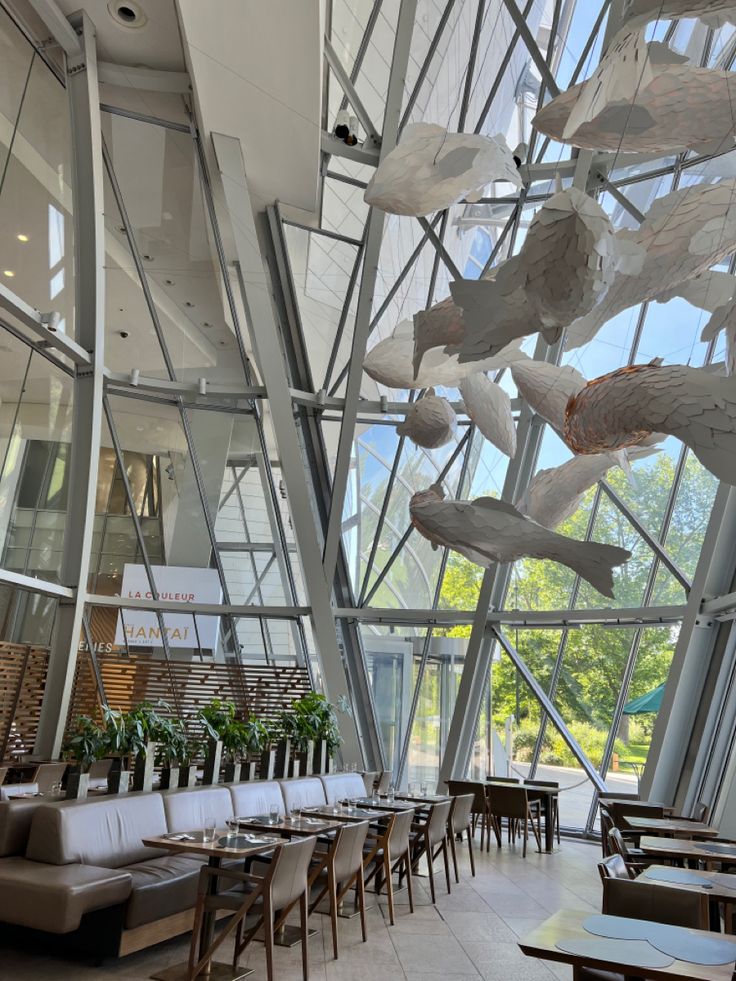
[215,719]
[85,745]
[116,745]
[258,737]
[144,726]
[311,726]
[172,750]
[188,769]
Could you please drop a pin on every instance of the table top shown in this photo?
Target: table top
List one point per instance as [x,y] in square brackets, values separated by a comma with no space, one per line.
[715,884]
[368,812]
[567,925]
[673,826]
[224,844]
[303,826]
[428,801]
[530,788]
[709,851]
[400,804]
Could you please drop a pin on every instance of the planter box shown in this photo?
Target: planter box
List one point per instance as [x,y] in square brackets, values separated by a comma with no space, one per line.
[143,772]
[267,766]
[188,775]
[77,785]
[232,772]
[283,758]
[320,757]
[249,770]
[212,762]
[169,777]
[118,781]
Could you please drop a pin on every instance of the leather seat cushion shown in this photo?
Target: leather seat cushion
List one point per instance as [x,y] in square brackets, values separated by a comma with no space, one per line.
[338,786]
[17,789]
[192,809]
[106,832]
[162,886]
[303,792]
[55,897]
[256,797]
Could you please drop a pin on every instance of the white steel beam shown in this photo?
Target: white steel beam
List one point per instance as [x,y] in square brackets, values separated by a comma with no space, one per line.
[39,325]
[272,367]
[147,79]
[89,279]
[352,96]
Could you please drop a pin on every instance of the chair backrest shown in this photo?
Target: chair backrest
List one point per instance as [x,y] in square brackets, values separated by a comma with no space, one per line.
[615,794]
[289,879]
[652,901]
[347,850]
[458,788]
[399,830]
[618,845]
[339,786]
[3,773]
[613,867]
[462,808]
[700,811]
[370,777]
[437,821]
[510,802]
[98,774]
[544,783]
[504,779]
[8,790]
[620,811]
[606,826]
[47,774]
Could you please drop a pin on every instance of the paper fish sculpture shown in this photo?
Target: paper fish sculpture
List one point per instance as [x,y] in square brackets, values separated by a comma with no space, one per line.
[547,389]
[623,408]
[564,268]
[430,422]
[556,493]
[489,406]
[431,169]
[644,98]
[715,13]
[683,235]
[487,531]
[389,362]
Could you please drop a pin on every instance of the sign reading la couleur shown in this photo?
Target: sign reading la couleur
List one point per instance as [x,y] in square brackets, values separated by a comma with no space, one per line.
[175,584]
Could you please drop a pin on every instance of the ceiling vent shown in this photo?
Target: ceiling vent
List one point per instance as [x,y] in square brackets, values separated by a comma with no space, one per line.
[127,13]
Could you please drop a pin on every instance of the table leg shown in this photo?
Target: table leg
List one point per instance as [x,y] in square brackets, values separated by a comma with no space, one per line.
[549,824]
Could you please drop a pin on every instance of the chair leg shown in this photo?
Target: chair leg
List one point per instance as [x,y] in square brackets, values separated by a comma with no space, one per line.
[304,922]
[431,874]
[409,886]
[526,833]
[268,936]
[332,887]
[196,930]
[360,892]
[446,858]
[557,821]
[453,849]
[470,853]
[390,891]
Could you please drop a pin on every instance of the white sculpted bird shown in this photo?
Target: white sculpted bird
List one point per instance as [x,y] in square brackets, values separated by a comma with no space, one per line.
[488,405]
[430,422]
[644,98]
[431,169]
[715,13]
[568,261]
[623,408]
[487,531]
[683,235]
[556,493]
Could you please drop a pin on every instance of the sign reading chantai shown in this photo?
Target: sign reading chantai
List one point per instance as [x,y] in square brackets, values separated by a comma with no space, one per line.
[175,584]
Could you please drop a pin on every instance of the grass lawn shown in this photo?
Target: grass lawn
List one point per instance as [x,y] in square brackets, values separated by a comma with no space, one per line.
[636,752]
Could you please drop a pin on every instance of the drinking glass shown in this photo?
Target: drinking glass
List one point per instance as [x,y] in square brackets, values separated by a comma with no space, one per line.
[391,794]
[423,790]
[208,834]
[295,815]
[273,814]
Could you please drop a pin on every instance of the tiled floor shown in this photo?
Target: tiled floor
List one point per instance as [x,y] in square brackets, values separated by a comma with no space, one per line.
[469,935]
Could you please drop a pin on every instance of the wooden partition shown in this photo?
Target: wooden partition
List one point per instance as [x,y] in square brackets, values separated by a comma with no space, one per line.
[22,681]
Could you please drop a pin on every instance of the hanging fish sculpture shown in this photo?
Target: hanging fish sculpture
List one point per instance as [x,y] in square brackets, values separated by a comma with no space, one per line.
[430,422]
[487,531]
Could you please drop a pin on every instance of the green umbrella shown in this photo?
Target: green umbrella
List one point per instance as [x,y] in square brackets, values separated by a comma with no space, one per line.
[651,702]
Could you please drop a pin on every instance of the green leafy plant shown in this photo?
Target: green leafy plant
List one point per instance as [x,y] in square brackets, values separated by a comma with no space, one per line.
[86,744]
[311,718]
[172,743]
[216,717]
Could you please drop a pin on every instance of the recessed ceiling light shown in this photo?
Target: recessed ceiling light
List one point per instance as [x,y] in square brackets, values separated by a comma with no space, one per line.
[127,13]
[9,273]
[22,237]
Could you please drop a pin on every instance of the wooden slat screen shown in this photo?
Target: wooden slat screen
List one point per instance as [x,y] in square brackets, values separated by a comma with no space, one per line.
[187,686]
[22,682]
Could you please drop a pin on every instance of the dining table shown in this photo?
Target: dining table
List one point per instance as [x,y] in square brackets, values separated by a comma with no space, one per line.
[545,795]
[567,937]
[671,827]
[683,849]
[720,887]
[226,844]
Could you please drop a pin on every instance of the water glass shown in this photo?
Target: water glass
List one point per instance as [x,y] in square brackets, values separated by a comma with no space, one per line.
[208,834]
[423,790]
[295,815]
[391,794]
[273,814]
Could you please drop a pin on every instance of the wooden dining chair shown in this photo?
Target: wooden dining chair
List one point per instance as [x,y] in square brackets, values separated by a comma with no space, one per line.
[513,804]
[555,803]
[648,901]
[614,867]
[336,871]
[479,810]
[429,837]
[267,899]
[516,780]
[606,826]
[388,851]
[370,779]
[635,859]
[48,774]
[459,823]
[3,773]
